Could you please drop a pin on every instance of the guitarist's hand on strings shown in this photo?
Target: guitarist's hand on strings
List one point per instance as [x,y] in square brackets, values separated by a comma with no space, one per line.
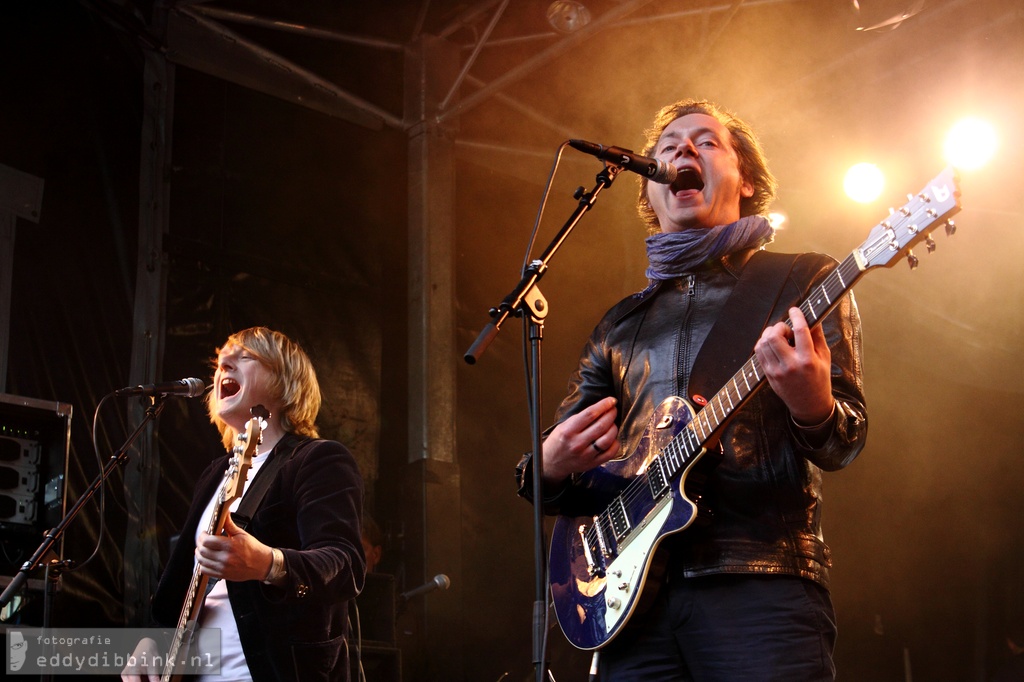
[235,555]
[797,363]
[585,440]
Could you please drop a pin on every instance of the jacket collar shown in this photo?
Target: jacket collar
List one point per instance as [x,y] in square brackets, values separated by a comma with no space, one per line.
[733,263]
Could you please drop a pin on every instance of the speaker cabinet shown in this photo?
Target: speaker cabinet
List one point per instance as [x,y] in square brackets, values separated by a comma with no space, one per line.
[34,443]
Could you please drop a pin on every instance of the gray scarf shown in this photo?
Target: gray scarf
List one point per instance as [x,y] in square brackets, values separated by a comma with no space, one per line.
[673,254]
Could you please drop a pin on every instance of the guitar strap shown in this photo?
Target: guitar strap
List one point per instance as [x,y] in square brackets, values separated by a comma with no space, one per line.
[264,477]
[744,316]
[257,490]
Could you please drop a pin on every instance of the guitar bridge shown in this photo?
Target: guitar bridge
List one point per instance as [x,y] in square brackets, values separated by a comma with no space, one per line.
[593,569]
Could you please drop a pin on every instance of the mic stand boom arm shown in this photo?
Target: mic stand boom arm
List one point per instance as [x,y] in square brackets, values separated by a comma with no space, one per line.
[514,302]
[54,535]
[527,301]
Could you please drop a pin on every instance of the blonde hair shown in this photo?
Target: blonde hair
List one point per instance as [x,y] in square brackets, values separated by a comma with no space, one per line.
[293,379]
[752,161]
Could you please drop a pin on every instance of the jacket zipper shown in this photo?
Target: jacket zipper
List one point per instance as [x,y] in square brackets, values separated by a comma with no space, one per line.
[684,336]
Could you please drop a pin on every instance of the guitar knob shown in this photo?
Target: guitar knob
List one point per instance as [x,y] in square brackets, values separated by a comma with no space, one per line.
[614,603]
[624,587]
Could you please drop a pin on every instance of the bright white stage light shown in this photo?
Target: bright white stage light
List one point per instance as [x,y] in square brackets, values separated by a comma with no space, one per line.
[863,182]
[971,143]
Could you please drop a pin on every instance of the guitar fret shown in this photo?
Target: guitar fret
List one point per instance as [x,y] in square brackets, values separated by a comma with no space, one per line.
[702,422]
[672,452]
[678,453]
[809,313]
[717,410]
[691,444]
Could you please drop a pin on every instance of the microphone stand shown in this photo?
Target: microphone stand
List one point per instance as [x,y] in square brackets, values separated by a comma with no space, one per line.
[527,301]
[55,566]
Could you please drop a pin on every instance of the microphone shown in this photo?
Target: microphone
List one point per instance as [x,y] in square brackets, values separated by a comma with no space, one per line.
[440,582]
[190,388]
[652,169]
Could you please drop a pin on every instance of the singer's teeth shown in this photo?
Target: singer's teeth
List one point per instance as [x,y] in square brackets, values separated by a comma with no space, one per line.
[228,387]
[688,179]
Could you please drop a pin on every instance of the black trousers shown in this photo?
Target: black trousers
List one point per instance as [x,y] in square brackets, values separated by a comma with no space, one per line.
[728,628]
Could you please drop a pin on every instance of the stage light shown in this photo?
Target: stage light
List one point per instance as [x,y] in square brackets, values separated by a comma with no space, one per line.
[777,219]
[863,182]
[566,16]
[971,143]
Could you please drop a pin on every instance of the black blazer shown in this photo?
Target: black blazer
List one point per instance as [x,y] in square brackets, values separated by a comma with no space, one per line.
[312,513]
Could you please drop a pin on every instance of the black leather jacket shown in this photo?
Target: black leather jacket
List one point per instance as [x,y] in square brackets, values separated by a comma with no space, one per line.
[764,496]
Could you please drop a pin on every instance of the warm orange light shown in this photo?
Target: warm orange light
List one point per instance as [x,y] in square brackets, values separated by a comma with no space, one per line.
[863,182]
[777,220]
[971,143]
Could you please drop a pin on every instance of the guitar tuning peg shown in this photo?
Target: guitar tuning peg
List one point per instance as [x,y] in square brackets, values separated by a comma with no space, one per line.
[929,243]
[950,228]
[912,260]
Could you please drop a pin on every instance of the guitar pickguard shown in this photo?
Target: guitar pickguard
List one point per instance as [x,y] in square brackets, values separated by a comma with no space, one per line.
[608,561]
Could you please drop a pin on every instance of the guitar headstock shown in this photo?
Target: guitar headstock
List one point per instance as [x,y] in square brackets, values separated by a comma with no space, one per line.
[912,223]
[247,448]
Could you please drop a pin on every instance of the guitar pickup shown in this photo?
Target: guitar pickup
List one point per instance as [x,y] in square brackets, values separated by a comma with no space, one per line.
[656,478]
[619,518]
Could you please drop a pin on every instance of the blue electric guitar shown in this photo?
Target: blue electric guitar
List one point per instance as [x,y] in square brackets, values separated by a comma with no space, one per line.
[600,564]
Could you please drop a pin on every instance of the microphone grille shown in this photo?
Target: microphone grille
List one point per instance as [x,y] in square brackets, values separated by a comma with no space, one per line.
[442,581]
[196,387]
[665,174]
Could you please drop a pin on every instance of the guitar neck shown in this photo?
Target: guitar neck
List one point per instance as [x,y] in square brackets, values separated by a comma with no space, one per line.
[231,489]
[706,423]
[188,620]
[889,239]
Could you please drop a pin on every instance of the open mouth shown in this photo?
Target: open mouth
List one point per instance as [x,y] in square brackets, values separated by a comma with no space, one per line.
[229,387]
[687,179]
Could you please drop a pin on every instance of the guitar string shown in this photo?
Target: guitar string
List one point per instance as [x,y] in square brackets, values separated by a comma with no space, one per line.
[833,287]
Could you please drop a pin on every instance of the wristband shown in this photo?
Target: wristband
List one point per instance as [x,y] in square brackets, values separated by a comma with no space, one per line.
[277,568]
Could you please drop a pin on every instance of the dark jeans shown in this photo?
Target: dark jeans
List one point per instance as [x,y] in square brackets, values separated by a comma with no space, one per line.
[728,628]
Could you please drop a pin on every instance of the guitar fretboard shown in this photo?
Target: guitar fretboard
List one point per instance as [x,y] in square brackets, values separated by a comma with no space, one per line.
[689,442]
